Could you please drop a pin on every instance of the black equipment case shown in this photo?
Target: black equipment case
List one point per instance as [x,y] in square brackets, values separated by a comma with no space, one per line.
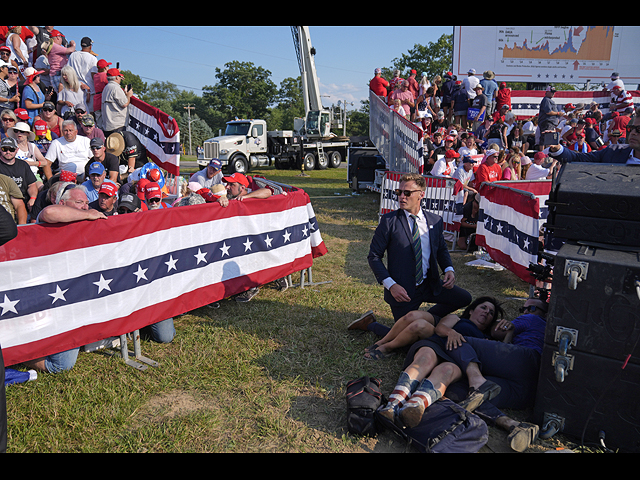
[589,383]
[596,202]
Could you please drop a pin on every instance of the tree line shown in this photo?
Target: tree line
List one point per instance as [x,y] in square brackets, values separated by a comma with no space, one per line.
[245,90]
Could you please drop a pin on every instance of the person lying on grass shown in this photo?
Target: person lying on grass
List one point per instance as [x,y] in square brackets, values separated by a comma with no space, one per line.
[449,331]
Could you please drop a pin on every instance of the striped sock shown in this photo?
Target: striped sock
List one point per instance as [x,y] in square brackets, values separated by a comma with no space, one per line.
[411,413]
[403,390]
[425,395]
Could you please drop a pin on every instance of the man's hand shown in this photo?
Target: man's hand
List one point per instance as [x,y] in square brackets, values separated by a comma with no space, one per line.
[399,293]
[95,215]
[449,280]
[554,148]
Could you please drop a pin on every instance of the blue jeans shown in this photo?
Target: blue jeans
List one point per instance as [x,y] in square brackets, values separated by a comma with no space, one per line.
[161,332]
[59,362]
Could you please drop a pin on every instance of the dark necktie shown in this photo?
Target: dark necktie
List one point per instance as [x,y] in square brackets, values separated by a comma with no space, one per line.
[417,250]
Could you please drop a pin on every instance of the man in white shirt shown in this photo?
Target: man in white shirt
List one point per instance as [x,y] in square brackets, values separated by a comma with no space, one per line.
[470,83]
[537,171]
[70,148]
[85,64]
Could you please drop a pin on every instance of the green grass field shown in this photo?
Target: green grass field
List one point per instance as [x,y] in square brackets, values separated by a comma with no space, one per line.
[266,376]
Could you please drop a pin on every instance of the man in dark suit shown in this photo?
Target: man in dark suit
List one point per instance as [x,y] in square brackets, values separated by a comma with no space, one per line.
[628,153]
[411,276]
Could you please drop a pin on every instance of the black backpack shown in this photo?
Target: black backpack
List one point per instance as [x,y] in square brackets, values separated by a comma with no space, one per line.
[364,397]
[445,427]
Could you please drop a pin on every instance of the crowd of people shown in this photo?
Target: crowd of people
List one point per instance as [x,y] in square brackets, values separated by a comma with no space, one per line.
[482,361]
[469,131]
[66,156]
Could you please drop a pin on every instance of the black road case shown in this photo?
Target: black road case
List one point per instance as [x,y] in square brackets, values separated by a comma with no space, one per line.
[596,202]
[590,372]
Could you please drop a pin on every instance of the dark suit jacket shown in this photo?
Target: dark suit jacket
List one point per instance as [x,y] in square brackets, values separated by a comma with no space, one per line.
[393,237]
[611,154]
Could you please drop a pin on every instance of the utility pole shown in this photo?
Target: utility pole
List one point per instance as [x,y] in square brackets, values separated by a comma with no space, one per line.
[188,108]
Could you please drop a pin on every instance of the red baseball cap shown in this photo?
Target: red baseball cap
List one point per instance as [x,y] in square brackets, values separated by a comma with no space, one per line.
[237,178]
[114,72]
[152,190]
[108,188]
[140,186]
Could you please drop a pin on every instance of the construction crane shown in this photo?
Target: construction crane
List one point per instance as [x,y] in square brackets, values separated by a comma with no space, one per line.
[247,143]
[318,119]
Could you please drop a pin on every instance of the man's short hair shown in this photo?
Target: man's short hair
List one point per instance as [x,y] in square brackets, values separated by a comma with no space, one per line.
[415,177]
[64,193]
[69,122]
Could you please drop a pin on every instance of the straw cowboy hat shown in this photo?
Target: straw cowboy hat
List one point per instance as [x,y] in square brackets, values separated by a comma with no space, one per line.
[115,144]
[489,75]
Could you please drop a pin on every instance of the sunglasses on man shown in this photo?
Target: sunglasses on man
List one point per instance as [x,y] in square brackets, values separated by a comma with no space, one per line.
[406,193]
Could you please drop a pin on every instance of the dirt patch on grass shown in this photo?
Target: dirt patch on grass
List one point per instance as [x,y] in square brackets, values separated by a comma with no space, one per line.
[167,406]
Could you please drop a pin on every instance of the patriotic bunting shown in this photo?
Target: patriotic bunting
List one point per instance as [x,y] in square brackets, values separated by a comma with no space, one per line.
[509,223]
[63,286]
[158,132]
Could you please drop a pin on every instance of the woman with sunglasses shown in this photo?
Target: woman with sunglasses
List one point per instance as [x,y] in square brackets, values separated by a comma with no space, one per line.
[29,151]
[8,119]
[12,82]
[49,114]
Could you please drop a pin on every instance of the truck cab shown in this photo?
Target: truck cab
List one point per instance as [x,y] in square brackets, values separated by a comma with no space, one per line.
[242,147]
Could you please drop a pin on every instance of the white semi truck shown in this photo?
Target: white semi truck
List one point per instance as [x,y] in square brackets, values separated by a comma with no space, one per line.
[246,144]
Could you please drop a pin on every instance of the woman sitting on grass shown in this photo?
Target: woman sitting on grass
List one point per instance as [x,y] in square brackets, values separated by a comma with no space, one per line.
[449,331]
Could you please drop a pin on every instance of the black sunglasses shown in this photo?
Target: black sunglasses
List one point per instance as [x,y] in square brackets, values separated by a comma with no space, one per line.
[633,128]
[406,193]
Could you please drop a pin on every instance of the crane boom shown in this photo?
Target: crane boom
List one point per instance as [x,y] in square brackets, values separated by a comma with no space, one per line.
[306,62]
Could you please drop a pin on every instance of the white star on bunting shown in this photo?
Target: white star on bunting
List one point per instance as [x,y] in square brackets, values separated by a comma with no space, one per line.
[8,305]
[140,274]
[171,264]
[201,257]
[58,295]
[103,284]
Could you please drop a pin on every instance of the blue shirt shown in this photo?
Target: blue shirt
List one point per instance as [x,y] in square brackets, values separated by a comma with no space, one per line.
[92,193]
[529,332]
[490,88]
[36,97]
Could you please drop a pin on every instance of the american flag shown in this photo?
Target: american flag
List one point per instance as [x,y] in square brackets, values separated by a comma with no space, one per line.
[526,103]
[509,222]
[63,286]
[158,132]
